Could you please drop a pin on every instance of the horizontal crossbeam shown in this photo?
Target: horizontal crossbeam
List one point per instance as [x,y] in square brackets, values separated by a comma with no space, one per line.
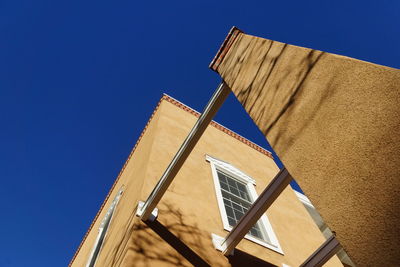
[191,140]
[259,207]
[323,253]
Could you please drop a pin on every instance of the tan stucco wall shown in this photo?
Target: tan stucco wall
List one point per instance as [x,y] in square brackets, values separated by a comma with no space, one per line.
[189,209]
[334,122]
[132,178]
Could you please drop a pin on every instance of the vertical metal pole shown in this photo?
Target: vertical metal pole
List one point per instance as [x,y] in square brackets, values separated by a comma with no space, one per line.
[323,253]
[259,207]
[198,129]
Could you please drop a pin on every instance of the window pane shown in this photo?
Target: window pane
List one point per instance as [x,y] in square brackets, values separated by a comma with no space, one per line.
[229,211]
[222,177]
[234,191]
[237,207]
[244,195]
[224,186]
[225,195]
[231,182]
[242,187]
[227,203]
[232,222]
[255,232]
[237,201]
[238,214]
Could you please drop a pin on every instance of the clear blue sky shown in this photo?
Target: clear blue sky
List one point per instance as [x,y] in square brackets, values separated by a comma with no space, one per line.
[79,79]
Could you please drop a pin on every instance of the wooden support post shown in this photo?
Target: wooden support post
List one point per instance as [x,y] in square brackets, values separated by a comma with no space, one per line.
[323,253]
[259,207]
[198,129]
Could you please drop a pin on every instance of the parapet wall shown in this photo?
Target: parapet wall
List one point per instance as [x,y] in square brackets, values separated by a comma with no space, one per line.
[334,122]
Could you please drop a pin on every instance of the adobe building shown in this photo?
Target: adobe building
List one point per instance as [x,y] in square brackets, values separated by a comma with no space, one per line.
[216,185]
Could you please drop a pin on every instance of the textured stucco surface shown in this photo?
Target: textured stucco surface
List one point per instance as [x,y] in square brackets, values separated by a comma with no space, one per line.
[189,209]
[131,178]
[334,122]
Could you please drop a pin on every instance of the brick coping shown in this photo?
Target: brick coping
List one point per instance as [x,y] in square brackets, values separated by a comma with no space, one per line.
[218,126]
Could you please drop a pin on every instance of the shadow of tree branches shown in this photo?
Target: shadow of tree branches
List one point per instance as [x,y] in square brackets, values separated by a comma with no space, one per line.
[151,241]
[275,89]
[149,244]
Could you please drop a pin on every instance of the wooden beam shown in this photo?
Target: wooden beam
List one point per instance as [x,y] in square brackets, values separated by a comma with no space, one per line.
[323,253]
[259,207]
[191,140]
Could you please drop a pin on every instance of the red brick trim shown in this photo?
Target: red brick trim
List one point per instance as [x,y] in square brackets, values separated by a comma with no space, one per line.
[230,38]
[218,126]
[191,111]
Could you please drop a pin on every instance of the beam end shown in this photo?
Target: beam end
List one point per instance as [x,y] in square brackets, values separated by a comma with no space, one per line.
[140,210]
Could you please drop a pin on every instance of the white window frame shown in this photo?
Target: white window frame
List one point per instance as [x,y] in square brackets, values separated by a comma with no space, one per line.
[103,229]
[231,170]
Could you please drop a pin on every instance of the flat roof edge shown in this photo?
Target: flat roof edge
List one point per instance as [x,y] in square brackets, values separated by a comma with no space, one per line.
[230,38]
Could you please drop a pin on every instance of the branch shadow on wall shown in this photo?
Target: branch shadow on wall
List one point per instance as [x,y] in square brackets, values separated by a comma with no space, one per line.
[282,85]
[150,243]
[177,244]
[241,258]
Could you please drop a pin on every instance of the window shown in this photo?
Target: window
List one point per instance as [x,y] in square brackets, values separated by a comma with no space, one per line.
[235,194]
[103,230]
[237,201]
